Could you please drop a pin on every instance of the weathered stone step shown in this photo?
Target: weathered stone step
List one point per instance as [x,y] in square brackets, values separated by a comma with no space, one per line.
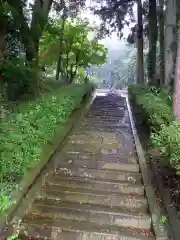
[76,230]
[116,143]
[104,110]
[98,173]
[100,122]
[106,152]
[87,196]
[90,213]
[96,184]
[116,110]
[91,129]
[104,128]
[108,115]
[98,144]
[97,157]
[125,167]
[99,112]
[98,140]
[101,135]
[104,115]
[100,148]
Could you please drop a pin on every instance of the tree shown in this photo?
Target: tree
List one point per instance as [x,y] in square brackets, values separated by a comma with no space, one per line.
[77,50]
[170,39]
[31,34]
[152,27]
[140,58]
[161,40]
[176,97]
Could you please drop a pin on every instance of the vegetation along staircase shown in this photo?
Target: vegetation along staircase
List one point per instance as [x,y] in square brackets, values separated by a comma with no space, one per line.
[95,190]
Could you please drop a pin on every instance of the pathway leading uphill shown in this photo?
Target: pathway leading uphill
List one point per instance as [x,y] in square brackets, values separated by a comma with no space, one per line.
[95,190]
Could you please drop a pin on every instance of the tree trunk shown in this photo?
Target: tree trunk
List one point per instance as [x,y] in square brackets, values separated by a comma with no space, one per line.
[152,42]
[59,63]
[140,59]
[161,40]
[38,24]
[170,38]
[176,99]
[3,32]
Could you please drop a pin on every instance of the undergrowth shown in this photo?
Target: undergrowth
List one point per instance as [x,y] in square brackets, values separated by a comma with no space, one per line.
[27,130]
[156,111]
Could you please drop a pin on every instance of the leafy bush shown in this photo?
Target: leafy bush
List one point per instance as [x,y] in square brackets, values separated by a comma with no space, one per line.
[169,139]
[26,131]
[153,104]
[156,105]
[18,78]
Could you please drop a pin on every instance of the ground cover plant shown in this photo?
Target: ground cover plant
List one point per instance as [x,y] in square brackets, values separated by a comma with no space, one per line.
[28,129]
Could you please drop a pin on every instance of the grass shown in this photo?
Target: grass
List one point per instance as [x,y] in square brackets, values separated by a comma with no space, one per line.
[28,129]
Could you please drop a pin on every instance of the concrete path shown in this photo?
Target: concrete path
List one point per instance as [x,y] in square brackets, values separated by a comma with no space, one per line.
[95,189]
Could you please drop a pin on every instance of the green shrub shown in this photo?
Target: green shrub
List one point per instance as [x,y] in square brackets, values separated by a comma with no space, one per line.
[24,133]
[169,139]
[153,104]
[156,106]
[18,78]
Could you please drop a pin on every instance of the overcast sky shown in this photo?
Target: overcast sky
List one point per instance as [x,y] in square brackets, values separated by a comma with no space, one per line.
[112,41]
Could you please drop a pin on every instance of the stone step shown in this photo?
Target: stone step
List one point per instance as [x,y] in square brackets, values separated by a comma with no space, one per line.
[98,173]
[100,148]
[108,158]
[114,112]
[89,213]
[104,128]
[109,153]
[77,230]
[99,111]
[125,167]
[89,130]
[96,184]
[100,120]
[87,196]
[108,116]
[110,112]
[99,136]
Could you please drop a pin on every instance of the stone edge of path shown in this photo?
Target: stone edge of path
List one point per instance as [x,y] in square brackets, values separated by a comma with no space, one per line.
[155,211]
[31,178]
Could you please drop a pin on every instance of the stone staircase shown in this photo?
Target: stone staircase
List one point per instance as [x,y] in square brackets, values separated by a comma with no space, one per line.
[95,189]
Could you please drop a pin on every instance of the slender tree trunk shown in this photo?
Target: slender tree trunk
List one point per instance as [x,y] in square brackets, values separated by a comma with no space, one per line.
[176,97]
[40,7]
[59,67]
[140,58]
[152,42]
[3,32]
[170,38]
[161,40]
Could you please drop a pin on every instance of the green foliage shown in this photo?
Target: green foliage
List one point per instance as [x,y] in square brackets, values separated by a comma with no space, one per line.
[169,139]
[77,50]
[18,78]
[156,107]
[25,132]
[153,104]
